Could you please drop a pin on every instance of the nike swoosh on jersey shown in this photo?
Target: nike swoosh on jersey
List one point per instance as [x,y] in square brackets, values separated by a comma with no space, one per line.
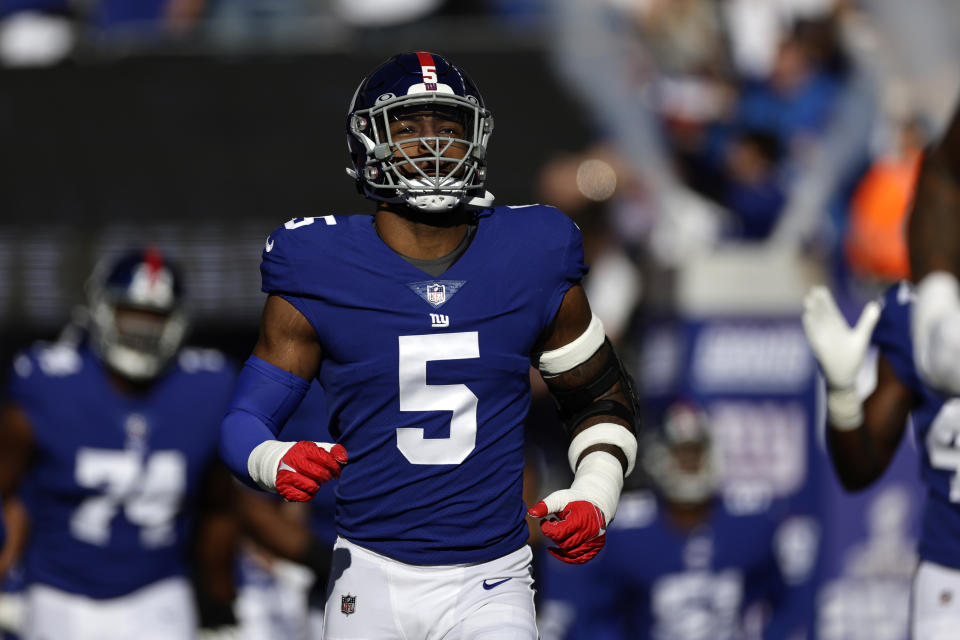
[491,585]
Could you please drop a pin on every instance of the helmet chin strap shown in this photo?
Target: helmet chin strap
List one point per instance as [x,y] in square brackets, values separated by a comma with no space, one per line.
[481,202]
[434,201]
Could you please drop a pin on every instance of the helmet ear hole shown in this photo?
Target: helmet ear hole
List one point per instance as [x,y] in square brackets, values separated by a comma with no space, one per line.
[358,123]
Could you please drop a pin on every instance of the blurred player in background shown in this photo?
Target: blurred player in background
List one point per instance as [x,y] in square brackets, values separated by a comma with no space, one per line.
[420,322]
[683,562]
[863,437]
[934,245]
[110,443]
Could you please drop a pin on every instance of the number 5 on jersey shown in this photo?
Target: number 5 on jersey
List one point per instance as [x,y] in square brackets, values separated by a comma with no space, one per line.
[417,395]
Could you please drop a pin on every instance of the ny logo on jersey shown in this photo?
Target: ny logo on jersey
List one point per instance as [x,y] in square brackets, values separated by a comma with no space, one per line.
[439,320]
[348,604]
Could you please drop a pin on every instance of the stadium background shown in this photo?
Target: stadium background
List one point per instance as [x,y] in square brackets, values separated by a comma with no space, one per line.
[204,132]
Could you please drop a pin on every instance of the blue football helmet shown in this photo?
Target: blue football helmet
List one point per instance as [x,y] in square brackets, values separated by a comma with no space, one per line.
[137,321]
[680,458]
[396,161]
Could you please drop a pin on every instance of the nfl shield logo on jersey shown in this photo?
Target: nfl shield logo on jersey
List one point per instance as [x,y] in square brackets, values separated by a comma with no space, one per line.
[436,294]
[348,604]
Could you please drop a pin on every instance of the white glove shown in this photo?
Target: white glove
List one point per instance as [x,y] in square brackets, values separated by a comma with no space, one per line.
[840,349]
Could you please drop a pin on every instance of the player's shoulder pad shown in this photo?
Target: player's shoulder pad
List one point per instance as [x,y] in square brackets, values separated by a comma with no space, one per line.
[749,499]
[895,307]
[636,510]
[295,242]
[194,360]
[540,216]
[900,294]
[299,234]
[546,225]
[47,360]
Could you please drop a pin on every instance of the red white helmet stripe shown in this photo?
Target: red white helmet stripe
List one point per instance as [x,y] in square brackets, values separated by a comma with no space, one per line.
[154,260]
[428,69]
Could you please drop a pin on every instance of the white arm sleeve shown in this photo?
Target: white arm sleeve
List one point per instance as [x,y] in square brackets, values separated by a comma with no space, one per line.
[936,331]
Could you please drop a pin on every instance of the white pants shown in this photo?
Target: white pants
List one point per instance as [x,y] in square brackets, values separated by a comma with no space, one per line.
[935,603]
[372,597]
[160,611]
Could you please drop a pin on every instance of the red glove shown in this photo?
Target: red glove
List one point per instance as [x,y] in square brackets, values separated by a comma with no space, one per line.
[579,532]
[306,466]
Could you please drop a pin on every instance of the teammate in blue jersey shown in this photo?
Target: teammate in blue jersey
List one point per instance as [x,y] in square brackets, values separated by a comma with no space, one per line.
[683,562]
[863,436]
[421,322]
[109,443]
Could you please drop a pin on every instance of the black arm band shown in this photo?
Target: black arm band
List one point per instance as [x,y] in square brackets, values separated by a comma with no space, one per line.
[570,401]
[578,404]
[600,408]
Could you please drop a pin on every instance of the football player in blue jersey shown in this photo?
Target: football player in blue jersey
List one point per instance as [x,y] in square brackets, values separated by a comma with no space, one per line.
[685,562]
[421,322]
[109,443]
[863,436]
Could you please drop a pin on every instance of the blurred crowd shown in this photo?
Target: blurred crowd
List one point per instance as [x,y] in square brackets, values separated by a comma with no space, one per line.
[740,151]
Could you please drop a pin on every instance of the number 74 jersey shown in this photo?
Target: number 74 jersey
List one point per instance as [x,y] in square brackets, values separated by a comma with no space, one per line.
[936,427]
[427,379]
[114,483]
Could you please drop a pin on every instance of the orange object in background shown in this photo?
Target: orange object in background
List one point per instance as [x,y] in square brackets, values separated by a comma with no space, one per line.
[876,242]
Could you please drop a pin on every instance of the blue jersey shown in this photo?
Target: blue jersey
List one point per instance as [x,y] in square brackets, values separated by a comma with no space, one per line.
[653,580]
[115,477]
[936,427]
[427,379]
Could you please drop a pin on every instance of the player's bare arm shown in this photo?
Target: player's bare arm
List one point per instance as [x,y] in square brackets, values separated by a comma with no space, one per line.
[270,387]
[596,404]
[861,455]
[933,235]
[287,340]
[215,548]
[571,322]
[273,527]
[16,453]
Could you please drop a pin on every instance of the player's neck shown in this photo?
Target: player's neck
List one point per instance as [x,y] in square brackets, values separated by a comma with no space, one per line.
[418,234]
[687,517]
[127,386]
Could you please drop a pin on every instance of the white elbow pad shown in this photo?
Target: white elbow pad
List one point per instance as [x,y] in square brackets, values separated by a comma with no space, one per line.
[604,433]
[577,352]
